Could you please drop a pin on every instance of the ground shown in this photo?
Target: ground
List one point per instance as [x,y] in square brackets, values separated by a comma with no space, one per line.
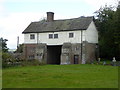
[61,76]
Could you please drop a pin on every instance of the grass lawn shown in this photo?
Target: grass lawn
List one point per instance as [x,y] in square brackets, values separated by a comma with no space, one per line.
[61,76]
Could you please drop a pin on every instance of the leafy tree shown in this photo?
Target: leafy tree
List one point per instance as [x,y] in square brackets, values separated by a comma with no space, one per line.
[117,25]
[3,45]
[117,31]
[19,49]
[104,22]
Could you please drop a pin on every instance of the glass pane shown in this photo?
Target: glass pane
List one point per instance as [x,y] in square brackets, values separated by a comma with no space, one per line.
[50,35]
[55,35]
[32,36]
[70,35]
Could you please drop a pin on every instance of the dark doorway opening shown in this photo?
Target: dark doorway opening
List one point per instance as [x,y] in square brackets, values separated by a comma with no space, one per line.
[53,54]
[76,59]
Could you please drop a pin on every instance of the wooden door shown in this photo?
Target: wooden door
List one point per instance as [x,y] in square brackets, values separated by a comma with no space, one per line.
[76,59]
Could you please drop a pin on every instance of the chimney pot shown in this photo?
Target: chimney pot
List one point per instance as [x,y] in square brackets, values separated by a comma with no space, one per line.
[50,16]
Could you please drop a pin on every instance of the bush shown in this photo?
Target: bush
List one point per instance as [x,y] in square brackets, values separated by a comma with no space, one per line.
[6,60]
[31,62]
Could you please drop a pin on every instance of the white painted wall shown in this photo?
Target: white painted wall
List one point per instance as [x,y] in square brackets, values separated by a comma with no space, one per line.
[28,40]
[91,33]
[62,38]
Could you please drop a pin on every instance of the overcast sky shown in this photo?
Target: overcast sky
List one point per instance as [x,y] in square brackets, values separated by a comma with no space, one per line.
[16,15]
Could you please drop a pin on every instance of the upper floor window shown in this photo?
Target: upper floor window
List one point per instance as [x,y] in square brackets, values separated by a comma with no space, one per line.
[55,35]
[32,36]
[71,35]
[50,36]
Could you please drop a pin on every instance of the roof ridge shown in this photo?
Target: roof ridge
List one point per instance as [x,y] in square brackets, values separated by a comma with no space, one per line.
[65,19]
[58,25]
[74,18]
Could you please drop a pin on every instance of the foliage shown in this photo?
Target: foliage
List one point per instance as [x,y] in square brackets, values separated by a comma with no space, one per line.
[43,19]
[117,31]
[19,49]
[6,58]
[13,62]
[4,52]
[3,45]
[108,24]
[117,26]
[31,63]
[61,76]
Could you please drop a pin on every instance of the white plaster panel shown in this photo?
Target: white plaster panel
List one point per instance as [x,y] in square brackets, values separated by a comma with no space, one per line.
[28,40]
[92,33]
[62,38]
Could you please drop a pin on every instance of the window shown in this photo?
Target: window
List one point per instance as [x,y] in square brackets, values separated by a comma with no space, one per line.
[55,35]
[76,48]
[32,36]
[50,36]
[71,35]
[31,57]
[31,49]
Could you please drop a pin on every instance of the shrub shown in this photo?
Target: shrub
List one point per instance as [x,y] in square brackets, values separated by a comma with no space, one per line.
[31,62]
[6,60]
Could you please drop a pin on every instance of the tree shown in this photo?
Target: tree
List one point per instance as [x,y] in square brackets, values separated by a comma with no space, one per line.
[3,45]
[117,31]
[108,23]
[117,25]
[4,52]
[19,49]
[104,23]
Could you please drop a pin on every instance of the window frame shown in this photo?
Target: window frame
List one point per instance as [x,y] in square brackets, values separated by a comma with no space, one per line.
[32,36]
[55,36]
[71,35]
[50,36]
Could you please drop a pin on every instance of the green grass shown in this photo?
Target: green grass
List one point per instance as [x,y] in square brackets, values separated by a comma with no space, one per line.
[61,76]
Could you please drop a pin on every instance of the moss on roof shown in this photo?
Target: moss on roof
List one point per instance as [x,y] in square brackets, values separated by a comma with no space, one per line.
[81,23]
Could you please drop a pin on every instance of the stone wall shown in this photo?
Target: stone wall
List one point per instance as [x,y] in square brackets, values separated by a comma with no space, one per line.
[66,53]
[90,52]
[77,53]
[71,53]
[35,51]
[41,53]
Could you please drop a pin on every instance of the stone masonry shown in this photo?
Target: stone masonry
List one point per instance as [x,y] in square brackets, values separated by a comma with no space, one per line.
[71,53]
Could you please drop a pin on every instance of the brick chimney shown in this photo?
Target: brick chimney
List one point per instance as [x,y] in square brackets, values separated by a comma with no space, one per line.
[50,16]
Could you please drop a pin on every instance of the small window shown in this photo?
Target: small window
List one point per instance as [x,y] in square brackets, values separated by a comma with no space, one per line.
[55,35]
[50,36]
[32,36]
[76,48]
[31,57]
[71,35]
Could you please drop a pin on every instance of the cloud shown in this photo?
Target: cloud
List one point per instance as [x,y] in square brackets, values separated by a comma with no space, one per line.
[1,6]
[12,26]
[13,23]
[98,3]
[42,1]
